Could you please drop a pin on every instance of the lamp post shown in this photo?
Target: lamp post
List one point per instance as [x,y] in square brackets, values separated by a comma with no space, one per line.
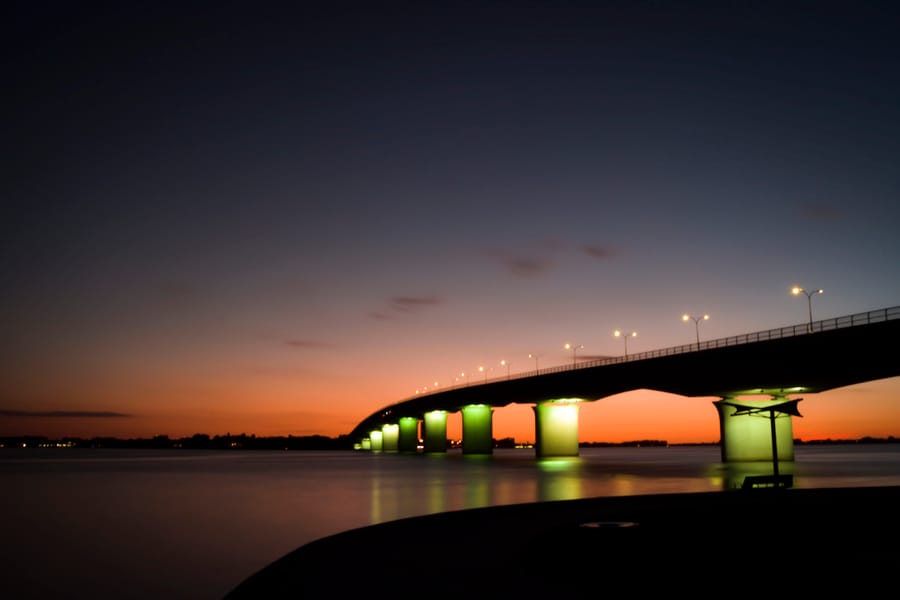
[574,349]
[505,363]
[463,374]
[796,290]
[485,373]
[625,336]
[535,357]
[696,321]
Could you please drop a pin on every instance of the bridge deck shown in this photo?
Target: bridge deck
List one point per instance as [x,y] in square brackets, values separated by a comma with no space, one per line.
[839,352]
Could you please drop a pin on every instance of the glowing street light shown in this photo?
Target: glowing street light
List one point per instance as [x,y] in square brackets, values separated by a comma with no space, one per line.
[535,357]
[574,349]
[425,388]
[796,290]
[485,373]
[625,336]
[463,374]
[506,363]
[696,321]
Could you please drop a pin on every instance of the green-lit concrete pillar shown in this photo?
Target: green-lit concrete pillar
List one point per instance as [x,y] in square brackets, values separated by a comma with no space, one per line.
[747,435]
[375,437]
[435,425]
[556,428]
[477,432]
[409,434]
[390,435]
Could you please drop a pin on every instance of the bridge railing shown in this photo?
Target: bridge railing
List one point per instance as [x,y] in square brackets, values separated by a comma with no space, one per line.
[866,318]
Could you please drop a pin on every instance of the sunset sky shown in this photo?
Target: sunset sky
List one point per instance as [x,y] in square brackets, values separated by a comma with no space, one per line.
[238,217]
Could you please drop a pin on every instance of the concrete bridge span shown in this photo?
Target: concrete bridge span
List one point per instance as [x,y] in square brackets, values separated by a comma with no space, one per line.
[778,363]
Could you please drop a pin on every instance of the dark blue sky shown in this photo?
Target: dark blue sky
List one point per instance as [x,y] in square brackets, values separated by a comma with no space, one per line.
[269,193]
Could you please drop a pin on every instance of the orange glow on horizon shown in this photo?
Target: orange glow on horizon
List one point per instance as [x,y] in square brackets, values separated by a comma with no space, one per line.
[874,411]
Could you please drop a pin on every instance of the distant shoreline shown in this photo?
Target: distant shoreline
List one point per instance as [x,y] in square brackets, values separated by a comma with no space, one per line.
[319,442]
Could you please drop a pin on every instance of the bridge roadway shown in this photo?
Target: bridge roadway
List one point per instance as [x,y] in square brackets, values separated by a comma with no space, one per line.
[799,359]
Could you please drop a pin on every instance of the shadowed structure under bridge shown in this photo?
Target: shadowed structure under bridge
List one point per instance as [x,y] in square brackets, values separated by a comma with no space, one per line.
[778,363]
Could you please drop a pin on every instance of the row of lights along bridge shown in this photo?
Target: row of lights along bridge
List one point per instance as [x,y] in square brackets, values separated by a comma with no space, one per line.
[796,291]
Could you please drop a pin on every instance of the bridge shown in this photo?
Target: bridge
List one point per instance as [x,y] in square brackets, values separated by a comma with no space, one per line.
[778,363]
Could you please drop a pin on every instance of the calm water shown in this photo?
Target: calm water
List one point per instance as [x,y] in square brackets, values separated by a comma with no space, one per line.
[150,524]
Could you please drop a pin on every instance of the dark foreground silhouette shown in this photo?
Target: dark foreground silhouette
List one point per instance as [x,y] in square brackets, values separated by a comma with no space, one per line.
[767,541]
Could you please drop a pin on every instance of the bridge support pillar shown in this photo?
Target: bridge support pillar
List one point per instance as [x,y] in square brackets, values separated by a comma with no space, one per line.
[376,437]
[390,435]
[477,432]
[408,440]
[556,428]
[751,435]
[435,426]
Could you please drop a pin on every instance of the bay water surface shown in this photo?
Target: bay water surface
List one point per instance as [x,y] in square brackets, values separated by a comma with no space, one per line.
[115,523]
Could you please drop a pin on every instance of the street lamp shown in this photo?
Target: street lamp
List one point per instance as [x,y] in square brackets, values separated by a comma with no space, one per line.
[574,349]
[485,373]
[796,290]
[625,336]
[535,357]
[696,321]
[505,362]
[463,374]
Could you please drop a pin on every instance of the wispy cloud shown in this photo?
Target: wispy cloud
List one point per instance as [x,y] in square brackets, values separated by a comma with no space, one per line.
[301,343]
[405,304]
[536,263]
[597,251]
[527,266]
[76,414]
[413,303]
[521,264]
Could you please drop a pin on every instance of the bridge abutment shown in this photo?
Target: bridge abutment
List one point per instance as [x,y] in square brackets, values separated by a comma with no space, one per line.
[556,428]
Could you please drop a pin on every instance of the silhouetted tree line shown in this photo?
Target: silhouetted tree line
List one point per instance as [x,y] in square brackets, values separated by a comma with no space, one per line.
[202,441]
[631,444]
[863,440]
[198,441]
